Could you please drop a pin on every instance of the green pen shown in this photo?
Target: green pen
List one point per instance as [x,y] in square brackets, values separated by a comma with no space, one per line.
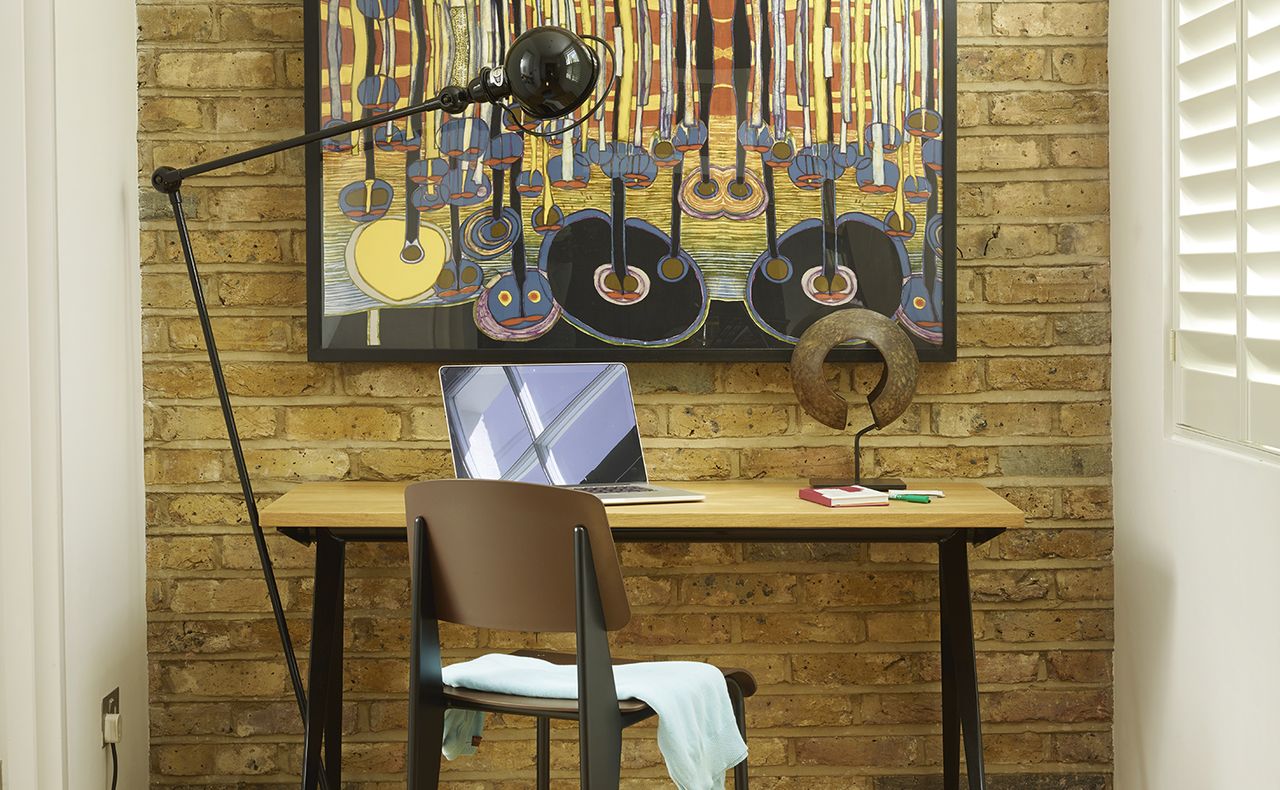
[918,498]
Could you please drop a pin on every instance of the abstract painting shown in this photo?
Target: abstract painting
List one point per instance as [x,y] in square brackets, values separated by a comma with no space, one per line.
[757,165]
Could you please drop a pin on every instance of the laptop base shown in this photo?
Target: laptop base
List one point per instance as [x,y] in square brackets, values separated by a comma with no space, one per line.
[638,494]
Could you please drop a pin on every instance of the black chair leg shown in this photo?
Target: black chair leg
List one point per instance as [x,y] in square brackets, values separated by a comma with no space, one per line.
[426,733]
[740,781]
[544,754]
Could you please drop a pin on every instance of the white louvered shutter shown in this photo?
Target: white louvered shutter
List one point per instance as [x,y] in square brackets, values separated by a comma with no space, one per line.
[1227,220]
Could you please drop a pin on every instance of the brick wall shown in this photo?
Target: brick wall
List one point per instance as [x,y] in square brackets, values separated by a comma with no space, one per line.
[1025,408]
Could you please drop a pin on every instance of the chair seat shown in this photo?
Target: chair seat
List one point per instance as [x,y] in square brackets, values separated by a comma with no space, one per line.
[553,708]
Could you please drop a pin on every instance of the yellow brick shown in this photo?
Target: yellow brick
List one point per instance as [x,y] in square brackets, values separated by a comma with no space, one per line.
[174,23]
[859,414]
[387,381]
[428,422]
[1035,198]
[1003,330]
[182,423]
[1036,108]
[845,628]
[360,423]
[169,113]
[1080,151]
[785,461]
[252,203]
[231,334]
[268,379]
[1080,65]
[1005,241]
[227,246]
[1087,238]
[406,464]
[1049,373]
[995,419]
[196,70]
[262,23]
[189,152]
[221,595]
[939,462]
[1086,419]
[298,464]
[1082,20]
[690,422]
[1001,152]
[180,553]
[971,19]
[678,463]
[171,467]
[1003,64]
[257,114]
[168,290]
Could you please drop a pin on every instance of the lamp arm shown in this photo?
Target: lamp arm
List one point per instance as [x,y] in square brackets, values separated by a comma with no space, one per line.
[453,99]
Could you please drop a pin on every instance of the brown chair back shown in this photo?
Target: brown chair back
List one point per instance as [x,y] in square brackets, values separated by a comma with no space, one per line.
[501,553]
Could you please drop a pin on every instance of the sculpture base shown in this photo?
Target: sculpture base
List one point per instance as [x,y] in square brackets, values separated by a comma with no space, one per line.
[879,483]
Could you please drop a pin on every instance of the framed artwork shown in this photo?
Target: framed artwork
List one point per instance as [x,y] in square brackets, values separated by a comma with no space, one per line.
[758,164]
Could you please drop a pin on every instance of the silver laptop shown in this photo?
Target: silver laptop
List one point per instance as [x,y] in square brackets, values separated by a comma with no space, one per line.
[571,425]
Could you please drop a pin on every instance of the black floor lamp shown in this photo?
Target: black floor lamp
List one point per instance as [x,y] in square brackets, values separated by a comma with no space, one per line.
[549,72]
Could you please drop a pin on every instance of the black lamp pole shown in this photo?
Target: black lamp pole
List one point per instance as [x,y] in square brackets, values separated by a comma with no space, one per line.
[549,72]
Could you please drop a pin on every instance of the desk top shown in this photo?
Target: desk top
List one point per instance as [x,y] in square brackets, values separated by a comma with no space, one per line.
[730,504]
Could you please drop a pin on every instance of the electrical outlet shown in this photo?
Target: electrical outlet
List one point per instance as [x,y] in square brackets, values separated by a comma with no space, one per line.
[110,704]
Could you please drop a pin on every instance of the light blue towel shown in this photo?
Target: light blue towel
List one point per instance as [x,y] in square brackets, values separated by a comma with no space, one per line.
[697,734]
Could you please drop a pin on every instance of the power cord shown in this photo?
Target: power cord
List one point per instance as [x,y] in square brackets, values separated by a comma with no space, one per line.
[111,736]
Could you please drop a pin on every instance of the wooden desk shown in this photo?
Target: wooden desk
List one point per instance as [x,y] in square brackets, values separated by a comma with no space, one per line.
[764,511]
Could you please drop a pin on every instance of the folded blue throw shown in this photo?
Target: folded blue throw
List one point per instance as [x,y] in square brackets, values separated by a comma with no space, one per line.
[697,734]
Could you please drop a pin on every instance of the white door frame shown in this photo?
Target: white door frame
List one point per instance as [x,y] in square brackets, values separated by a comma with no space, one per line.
[59,310]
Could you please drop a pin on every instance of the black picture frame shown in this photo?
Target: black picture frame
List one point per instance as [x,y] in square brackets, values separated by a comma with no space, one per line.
[318,351]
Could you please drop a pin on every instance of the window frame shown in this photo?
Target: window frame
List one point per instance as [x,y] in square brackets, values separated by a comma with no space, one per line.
[1242,446]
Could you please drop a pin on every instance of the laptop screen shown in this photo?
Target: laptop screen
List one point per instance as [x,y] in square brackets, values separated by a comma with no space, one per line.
[554,424]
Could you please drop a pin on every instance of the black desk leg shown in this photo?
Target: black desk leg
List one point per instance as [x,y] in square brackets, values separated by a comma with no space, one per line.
[324,682]
[959,668]
[950,699]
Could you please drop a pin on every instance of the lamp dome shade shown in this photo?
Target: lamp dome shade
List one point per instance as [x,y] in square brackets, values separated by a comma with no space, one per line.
[550,71]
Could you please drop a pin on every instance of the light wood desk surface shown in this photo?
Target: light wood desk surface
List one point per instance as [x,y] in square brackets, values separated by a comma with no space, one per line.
[731,504]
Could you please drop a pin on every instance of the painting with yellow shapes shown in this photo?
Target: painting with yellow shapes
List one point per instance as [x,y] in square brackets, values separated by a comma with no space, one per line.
[758,164]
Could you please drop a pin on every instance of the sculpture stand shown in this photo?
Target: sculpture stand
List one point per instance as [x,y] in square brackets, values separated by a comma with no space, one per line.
[878,483]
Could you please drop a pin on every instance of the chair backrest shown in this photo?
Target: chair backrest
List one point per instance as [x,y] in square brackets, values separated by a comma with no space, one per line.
[501,553]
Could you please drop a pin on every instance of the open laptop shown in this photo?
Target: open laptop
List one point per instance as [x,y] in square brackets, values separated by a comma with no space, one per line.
[570,425]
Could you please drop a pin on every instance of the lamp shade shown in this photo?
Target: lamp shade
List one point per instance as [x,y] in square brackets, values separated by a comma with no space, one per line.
[550,71]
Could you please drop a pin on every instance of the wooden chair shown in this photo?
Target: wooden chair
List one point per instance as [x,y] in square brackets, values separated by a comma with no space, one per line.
[520,557]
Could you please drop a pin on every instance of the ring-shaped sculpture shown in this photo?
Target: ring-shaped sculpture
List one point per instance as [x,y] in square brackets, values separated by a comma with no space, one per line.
[889,398]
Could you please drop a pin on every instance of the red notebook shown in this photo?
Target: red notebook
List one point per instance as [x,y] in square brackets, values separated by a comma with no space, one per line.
[845,496]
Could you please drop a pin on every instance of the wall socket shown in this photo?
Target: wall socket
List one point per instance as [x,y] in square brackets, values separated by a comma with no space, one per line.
[110,704]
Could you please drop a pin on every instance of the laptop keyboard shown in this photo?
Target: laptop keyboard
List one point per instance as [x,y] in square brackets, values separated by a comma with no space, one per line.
[613,489]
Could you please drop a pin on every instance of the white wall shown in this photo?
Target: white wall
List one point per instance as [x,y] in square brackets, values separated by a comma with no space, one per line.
[72,564]
[1197,530]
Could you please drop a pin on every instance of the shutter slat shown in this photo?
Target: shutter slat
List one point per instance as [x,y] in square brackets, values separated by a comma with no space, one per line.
[1263,182]
[1207,273]
[1208,72]
[1214,232]
[1262,230]
[1208,31]
[1262,270]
